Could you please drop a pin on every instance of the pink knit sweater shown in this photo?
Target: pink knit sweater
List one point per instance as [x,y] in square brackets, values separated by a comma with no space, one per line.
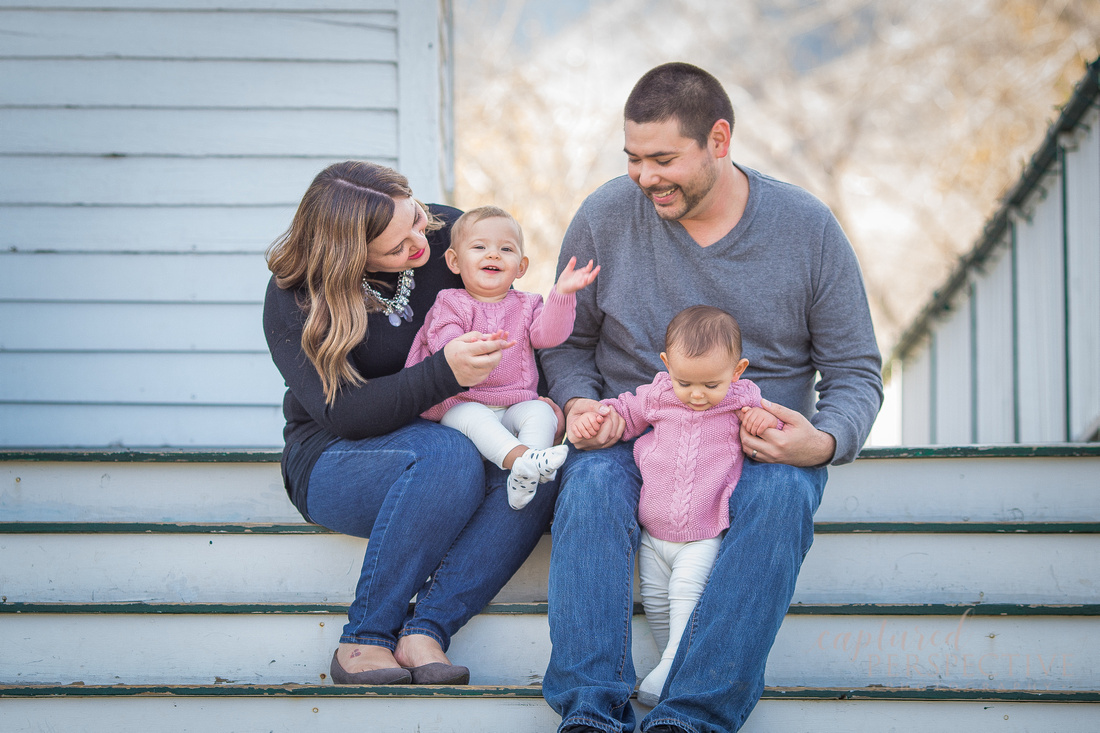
[691,460]
[528,322]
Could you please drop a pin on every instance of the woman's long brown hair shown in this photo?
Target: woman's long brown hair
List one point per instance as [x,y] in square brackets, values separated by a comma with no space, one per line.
[325,249]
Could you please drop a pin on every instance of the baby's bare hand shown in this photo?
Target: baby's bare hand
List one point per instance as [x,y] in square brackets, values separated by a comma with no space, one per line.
[755,420]
[572,280]
[585,426]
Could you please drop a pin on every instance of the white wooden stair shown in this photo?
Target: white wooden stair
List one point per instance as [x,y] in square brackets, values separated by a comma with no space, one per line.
[957,588]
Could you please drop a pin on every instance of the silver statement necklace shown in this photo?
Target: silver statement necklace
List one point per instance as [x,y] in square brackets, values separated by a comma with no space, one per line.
[397,307]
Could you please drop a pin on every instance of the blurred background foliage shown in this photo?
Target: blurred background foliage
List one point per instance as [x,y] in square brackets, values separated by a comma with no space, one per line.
[909,119]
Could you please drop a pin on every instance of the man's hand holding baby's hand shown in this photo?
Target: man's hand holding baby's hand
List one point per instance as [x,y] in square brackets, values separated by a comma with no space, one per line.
[572,280]
[799,443]
[609,425]
[755,420]
[585,426]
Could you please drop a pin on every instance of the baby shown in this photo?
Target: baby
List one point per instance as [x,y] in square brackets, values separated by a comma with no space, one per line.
[690,463]
[502,416]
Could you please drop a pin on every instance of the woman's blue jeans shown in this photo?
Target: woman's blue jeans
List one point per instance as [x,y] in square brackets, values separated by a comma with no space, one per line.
[439,526]
[718,674]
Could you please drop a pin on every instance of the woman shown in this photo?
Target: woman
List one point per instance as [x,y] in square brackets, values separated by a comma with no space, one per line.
[353,277]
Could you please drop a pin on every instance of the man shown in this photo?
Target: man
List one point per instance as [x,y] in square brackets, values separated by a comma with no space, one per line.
[688,226]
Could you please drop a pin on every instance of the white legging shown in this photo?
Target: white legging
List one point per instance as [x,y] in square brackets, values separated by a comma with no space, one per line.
[496,431]
[672,576]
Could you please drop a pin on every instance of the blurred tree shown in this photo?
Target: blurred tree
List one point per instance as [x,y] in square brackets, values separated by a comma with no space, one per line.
[907,119]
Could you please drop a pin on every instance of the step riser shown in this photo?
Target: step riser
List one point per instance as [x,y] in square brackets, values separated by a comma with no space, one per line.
[945,652]
[324,568]
[880,490]
[320,568]
[288,715]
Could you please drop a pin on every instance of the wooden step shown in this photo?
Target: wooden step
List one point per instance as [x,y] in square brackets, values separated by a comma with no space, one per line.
[947,588]
[226,563]
[508,710]
[953,485]
[1021,647]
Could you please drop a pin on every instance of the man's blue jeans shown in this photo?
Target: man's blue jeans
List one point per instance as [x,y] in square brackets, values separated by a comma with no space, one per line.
[431,507]
[718,674]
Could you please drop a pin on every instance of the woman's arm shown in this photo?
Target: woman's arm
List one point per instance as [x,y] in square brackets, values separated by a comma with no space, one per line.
[379,406]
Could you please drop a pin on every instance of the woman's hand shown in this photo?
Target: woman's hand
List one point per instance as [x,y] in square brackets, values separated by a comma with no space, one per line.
[572,280]
[474,355]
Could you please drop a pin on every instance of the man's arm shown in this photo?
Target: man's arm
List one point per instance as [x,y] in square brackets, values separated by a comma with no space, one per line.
[844,352]
[574,380]
[570,368]
[846,356]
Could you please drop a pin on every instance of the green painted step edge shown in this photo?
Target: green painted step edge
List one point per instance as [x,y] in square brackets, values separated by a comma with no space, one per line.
[159,528]
[540,609]
[957,527]
[272,455]
[303,528]
[529,692]
[139,455]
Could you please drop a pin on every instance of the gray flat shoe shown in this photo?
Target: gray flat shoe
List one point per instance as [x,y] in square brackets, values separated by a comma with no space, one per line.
[438,673]
[388,676]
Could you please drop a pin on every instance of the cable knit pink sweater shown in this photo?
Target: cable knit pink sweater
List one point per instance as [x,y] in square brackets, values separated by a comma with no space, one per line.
[528,322]
[691,460]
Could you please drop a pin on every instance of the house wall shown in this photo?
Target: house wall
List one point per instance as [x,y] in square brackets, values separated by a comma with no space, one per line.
[1019,346]
[917,397]
[150,151]
[995,347]
[1082,175]
[953,377]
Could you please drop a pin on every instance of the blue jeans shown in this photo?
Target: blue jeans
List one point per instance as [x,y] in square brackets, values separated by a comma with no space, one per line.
[439,525]
[718,674]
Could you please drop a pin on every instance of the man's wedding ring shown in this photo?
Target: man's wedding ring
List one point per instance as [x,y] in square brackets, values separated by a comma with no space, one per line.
[754,454]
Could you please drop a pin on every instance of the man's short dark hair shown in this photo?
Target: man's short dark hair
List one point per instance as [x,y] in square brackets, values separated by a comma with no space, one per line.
[681,91]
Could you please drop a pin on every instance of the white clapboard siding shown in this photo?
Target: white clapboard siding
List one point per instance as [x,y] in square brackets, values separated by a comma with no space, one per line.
[144,228]
[174,378]
[190,129]
[1083,244]
[510,713]
[946,651]
[198,83]
[91,34]
[56,326]
[33,491]
[876,491]
[1041,309]
[264,568]
[202,132]
[134,278]
[952,377]
[211,5]
[995,361]
[916,388]
[147,425]
[150,181]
